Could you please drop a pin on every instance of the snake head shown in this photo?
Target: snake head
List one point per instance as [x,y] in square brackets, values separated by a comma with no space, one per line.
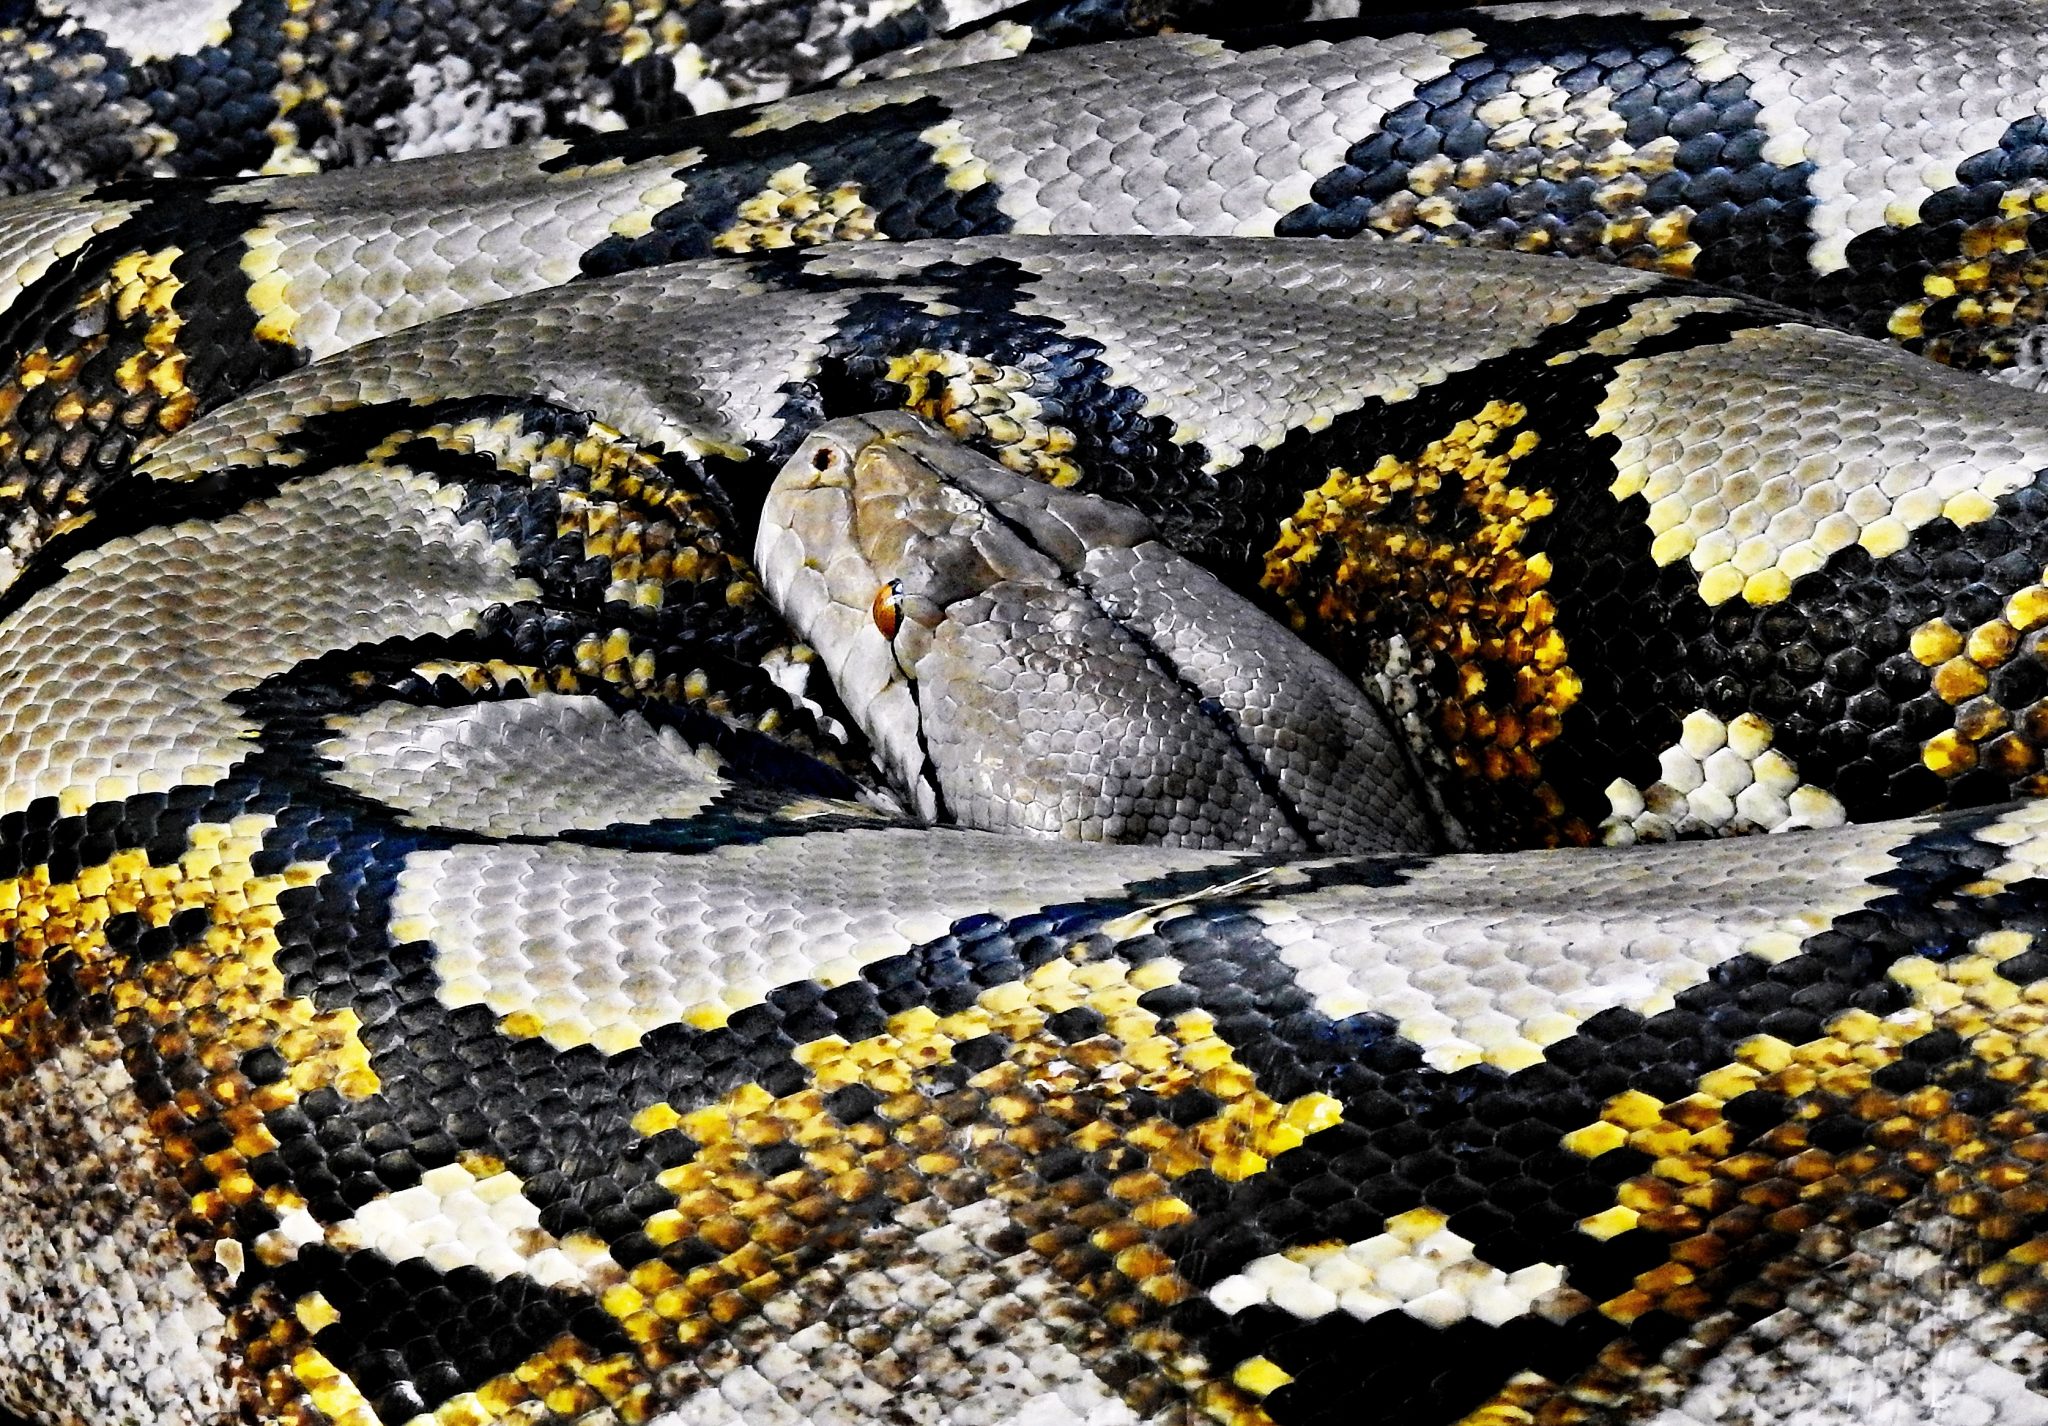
[1029,659]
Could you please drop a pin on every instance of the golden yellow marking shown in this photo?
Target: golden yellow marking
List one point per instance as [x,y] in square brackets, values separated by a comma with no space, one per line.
[1986,733]
[218,998]
[298,84]
[1744,1210]
[936,1130]
[639,28]
[1515,1404]
[489,677]
[333,1393]
[990,404]
[793,212]
[954,152]
[269,284]
[1935,641]
[1992,291]
[203,1006]
[53,417]
[1259,1376]
[1374,555]
[1608,1222]
[1550,138]
[648,552]
[1596,1139]
[660,541]
[315,1312]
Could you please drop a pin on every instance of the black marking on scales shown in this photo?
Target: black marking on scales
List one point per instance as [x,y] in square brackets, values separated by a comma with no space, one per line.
[880,151]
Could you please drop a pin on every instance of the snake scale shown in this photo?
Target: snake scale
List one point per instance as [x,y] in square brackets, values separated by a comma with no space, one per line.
[622,809]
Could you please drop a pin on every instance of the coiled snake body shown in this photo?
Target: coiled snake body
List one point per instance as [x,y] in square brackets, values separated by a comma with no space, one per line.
[486,639]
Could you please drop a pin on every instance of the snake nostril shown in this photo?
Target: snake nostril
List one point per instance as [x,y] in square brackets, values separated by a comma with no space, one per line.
[823,457]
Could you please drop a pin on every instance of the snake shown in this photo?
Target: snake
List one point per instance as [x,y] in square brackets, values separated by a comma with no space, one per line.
[933,713]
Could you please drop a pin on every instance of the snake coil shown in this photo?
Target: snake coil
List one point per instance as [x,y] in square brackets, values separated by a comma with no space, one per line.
[625,805]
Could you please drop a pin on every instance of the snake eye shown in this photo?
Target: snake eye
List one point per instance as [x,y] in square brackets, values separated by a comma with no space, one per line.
[888,608]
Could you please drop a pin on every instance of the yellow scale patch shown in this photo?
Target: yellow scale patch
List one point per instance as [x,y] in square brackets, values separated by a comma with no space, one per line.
[268,293]
[297,86]
[660,541]
[1997,282]
[1371,553]
[644,27]
[989,404]
[953,152]
[1784,1200]
[208,1004]
[1551,137]
[928,1139]
[47,445]
[1987,734]
[794,212]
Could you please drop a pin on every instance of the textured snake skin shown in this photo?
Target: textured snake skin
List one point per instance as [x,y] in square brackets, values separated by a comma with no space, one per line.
[100,90]
[476,635]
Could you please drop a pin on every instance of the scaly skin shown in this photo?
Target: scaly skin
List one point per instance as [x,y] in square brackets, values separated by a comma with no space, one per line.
[458,965]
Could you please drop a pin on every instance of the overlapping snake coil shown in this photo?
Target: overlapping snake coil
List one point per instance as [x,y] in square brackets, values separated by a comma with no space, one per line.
[617,808]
